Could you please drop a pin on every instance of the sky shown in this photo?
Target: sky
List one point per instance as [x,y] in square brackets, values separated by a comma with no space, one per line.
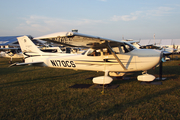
[114,19]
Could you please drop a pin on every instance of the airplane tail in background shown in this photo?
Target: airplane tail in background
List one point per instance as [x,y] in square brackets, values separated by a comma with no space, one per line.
[27,46]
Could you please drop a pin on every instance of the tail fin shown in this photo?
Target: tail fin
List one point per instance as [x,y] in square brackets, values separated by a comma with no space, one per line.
[27,46]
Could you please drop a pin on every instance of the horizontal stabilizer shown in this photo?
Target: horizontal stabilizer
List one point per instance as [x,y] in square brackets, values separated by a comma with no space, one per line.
[23,64]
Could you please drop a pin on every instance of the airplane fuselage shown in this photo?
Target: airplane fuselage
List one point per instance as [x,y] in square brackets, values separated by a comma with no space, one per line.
[136,60]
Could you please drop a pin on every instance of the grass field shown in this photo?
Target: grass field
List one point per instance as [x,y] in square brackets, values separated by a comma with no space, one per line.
[43,93]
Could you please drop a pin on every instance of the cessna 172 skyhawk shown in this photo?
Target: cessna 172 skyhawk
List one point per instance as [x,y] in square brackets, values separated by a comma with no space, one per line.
[110,56]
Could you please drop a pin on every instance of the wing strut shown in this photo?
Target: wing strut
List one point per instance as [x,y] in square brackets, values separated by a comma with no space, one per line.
[114,54]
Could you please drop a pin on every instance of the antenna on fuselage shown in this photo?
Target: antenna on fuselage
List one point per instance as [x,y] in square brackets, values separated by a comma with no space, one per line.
[75,30]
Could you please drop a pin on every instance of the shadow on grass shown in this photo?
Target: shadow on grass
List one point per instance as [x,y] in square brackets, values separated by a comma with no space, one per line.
[39,80]
[169,72]
[120,108]
[18,69]
[129,77]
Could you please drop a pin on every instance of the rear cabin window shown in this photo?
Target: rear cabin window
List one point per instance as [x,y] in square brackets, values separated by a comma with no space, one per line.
[125,48]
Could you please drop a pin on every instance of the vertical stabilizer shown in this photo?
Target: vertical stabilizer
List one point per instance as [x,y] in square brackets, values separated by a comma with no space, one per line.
[27,46]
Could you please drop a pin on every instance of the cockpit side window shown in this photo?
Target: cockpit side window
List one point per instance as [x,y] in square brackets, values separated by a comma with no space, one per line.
[106,51]
[116,50]
[94,53]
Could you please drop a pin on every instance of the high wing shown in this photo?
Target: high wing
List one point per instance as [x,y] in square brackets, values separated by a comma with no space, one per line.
[75,39]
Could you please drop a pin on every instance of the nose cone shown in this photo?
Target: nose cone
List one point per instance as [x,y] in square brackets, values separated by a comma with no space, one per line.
[147,53]
[148,58]
[153,53]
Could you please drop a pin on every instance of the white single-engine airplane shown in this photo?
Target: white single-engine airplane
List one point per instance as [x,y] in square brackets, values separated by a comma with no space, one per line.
[113,57]
[11,53]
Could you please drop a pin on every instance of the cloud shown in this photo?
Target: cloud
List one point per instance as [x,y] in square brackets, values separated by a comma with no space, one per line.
[132,16]
[160,11]
[124,18]
[42,25]
[103,0]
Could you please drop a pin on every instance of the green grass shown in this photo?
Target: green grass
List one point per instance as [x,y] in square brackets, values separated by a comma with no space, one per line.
[43,93]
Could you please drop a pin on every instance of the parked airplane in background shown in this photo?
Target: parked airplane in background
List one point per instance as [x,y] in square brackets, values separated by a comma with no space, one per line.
[166,50]
[16,52]
[11,53]
[113,57]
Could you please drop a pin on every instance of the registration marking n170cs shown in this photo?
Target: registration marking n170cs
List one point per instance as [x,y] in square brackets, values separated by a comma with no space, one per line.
[62,63]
